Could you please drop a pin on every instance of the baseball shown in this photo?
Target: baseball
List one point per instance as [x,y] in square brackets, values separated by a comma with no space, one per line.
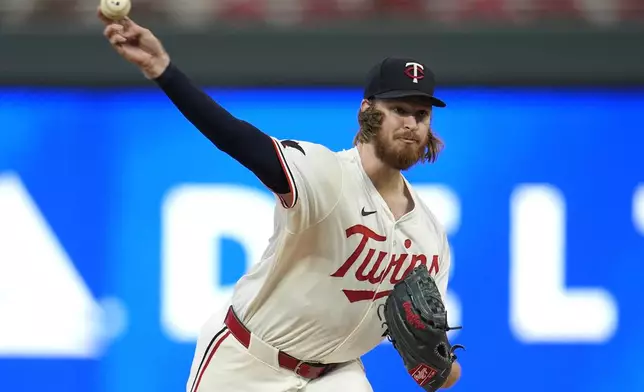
[115,9]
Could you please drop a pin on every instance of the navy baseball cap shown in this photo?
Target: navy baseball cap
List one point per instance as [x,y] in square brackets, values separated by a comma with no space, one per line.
[396,77]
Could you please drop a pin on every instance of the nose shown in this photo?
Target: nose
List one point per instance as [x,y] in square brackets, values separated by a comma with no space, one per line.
[410,122]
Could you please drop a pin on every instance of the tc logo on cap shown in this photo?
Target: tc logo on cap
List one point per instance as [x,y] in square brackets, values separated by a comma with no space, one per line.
[415,71]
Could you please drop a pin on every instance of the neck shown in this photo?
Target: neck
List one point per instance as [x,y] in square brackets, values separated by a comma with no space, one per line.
[386,179]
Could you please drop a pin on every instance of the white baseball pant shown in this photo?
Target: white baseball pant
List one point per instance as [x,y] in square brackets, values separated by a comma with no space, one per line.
[221,364]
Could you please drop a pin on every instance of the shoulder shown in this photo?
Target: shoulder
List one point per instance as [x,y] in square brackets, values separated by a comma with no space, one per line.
[312,154]
[301,146]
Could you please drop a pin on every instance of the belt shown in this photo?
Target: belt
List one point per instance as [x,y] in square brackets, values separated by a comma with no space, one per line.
[301,368]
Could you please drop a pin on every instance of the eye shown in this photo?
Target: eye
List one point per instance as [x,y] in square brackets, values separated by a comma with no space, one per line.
[422,116]
[400,111]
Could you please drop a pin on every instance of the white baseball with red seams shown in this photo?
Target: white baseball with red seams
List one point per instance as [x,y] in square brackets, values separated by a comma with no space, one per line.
[115,9]
[319,291]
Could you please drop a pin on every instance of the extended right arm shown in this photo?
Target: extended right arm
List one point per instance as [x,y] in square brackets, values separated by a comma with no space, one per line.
[237,138]
[242,141]
[294,171]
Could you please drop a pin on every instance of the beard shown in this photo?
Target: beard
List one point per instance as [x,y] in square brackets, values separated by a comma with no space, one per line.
[400,157]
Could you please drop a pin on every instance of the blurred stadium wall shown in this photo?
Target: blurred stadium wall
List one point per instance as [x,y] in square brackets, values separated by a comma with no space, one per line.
[331,42]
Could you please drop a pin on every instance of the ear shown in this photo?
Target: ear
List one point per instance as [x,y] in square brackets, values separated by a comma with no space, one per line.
[364,105]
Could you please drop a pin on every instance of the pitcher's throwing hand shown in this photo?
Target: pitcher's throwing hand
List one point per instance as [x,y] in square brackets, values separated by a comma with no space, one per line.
[137,45]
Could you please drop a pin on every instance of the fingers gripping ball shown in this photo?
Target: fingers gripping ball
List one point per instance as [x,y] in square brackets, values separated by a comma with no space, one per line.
[417,327]
[115,9]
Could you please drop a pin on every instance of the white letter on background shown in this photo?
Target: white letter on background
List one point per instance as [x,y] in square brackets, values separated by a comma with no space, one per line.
[638,209]
[542,309]
[195,218]
[46,309]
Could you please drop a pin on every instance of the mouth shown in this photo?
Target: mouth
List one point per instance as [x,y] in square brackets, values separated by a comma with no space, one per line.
[408,140]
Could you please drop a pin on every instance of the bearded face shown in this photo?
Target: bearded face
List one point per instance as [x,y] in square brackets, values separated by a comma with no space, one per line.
[400,148]
[400,132]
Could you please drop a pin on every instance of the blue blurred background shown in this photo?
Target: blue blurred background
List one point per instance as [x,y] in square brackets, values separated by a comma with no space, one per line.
[541,190]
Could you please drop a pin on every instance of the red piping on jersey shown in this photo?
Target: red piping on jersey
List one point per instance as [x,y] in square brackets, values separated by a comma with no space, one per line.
[288,174]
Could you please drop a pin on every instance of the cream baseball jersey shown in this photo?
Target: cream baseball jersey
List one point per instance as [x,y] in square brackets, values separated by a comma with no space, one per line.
[319,291]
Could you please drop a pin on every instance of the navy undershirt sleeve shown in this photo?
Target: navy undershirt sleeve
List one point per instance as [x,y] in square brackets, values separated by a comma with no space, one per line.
[237,138]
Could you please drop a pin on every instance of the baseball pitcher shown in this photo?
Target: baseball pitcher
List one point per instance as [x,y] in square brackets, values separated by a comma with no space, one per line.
[355,257]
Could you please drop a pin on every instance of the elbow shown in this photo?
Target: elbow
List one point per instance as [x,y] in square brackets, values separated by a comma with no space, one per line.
[454,376]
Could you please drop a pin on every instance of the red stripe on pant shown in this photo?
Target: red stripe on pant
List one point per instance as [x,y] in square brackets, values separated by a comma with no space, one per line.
[212,353]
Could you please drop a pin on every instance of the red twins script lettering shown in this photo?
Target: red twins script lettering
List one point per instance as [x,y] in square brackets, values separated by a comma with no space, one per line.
[375,272]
